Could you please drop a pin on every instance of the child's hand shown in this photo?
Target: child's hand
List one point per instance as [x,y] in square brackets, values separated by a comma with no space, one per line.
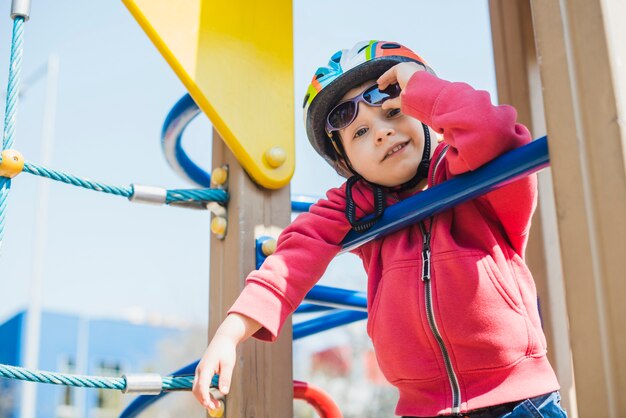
[400,74]
[219,358]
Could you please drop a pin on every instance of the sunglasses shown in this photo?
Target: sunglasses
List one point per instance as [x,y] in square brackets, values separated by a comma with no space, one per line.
[344,113]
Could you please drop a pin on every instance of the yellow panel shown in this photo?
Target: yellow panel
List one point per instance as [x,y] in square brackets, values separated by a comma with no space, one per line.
[236,59]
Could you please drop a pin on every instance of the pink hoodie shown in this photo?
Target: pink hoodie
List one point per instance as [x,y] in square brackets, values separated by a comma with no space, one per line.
[454,322]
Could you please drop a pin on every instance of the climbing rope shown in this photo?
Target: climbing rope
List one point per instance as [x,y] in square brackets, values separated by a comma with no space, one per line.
[132,192]
[130,383]
[10,115]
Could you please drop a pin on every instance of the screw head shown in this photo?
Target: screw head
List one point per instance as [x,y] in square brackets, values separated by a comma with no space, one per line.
[275,157]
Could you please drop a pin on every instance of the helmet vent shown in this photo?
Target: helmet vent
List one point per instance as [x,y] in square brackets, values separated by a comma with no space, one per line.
[390,46]
[306,99]
[362,48]
[318,76]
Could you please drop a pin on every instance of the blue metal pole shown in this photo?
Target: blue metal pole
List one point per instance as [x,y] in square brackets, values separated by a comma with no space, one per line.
[326,322]
[508,167]
[338,298]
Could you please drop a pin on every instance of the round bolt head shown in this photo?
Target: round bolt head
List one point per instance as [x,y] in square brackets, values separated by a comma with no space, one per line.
[219,176]
[275,157]
[268,247]
[12,163]
[219,411]
[218,225]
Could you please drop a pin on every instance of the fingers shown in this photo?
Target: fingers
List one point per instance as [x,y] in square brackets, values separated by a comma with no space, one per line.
[389,77]
[202,382]
[226,373]
[201,386]
[395,103]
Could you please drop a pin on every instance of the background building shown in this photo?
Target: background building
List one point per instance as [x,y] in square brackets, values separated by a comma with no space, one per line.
[101,347]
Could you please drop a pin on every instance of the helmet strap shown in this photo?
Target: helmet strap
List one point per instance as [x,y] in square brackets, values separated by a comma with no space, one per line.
[379,206]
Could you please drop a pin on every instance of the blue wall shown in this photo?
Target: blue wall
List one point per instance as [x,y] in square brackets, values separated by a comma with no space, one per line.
[10,350]
[84,346]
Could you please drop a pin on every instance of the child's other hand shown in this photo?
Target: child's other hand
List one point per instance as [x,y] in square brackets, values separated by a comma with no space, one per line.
[400,74]
[218,358]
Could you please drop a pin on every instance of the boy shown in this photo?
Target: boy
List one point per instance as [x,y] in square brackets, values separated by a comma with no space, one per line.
[452,306]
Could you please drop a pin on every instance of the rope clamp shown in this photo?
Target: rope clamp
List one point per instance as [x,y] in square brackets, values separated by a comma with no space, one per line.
[12,163]
[20,8]
[145,383]
[148,194]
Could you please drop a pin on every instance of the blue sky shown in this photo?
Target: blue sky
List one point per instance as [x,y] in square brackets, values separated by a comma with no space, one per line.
[107,257]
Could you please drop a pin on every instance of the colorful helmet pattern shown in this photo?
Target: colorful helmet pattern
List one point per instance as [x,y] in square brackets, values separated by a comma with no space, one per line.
[347,69]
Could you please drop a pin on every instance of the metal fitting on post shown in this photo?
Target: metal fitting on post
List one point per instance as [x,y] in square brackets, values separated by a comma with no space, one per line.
[219,177]
[12,163]
[217,209]
[20,8]
[145,384]
[148,194]
[221,405]
[219,225]
[275,157]
[268,247]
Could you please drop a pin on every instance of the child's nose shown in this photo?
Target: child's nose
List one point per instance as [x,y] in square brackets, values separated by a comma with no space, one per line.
[384,133]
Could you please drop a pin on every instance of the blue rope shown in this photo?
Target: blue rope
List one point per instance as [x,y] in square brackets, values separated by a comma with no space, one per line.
[15,71]
[10,115]
[76,181]
[173,196]
[94,382]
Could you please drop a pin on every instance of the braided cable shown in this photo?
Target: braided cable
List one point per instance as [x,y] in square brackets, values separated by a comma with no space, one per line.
[10,115]
[173,196]
[170,383]
[76,181]
[38,376]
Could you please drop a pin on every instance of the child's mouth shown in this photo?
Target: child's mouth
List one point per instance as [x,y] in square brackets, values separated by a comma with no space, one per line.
[395,149]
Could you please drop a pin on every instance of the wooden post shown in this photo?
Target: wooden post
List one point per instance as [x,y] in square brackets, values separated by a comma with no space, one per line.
[579,75]
[262,384]
[519,84]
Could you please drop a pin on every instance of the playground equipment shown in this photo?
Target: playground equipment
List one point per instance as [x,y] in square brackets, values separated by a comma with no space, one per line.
[589,182]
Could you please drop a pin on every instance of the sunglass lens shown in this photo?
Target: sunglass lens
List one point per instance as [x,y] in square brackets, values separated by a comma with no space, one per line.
[376,97]
[342,115]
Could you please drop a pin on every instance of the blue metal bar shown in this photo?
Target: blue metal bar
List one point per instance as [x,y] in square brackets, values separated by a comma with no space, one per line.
[181,115]
[337,298]
[311,308]
[301,203]
[176,121]
[326,322]
[508,167]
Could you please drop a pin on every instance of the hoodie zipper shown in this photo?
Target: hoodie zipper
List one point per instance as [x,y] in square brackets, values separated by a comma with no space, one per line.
[430,314]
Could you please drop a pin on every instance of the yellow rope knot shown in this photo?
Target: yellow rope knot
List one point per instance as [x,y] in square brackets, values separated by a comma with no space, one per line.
[12,163]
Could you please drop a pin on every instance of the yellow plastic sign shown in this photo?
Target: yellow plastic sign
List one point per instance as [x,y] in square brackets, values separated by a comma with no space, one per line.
[236,60]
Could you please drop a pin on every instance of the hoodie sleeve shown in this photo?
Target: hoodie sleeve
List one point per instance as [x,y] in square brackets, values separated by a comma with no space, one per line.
[477,132]
[304,250]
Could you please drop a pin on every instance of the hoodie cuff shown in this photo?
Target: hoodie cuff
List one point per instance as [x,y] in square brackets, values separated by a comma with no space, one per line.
[264,306]
[421,94]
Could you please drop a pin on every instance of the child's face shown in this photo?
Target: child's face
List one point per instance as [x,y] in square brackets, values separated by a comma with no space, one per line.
[383,145]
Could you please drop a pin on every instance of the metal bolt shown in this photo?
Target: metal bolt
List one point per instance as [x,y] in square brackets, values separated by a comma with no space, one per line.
[219,176]
[275,157]
[218,226]
[268,247]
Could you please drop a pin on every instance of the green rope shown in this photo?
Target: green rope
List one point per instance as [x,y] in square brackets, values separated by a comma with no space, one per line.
[94,382]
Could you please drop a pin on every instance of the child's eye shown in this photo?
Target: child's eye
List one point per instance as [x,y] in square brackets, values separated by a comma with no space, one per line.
[360,132]
[393,112]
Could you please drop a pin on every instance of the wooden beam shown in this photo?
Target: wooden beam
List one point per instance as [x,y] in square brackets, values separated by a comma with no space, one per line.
[587,159]
[262,384]
[519,84]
